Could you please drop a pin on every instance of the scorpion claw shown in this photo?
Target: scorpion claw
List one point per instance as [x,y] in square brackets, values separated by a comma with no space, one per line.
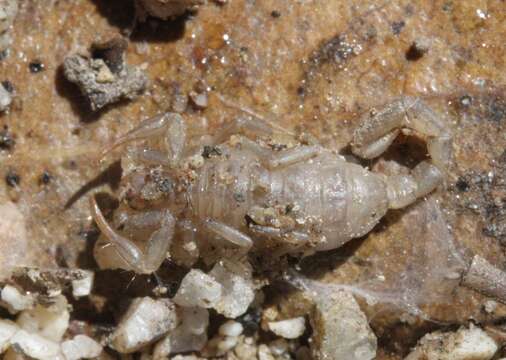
[133,257]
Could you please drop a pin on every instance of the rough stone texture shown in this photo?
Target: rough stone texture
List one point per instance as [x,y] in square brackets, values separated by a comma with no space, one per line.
[314,65]
[13,239]
[341,329]
[8,10]
[464,344]
[99,84]
[145,322]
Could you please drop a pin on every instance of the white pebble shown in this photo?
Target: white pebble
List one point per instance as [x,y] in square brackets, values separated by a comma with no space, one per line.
[5,98]
[82,287]
[231,328]
[227,343]
[264,353]
[490,306]
[80,347]
[7,331]
[14,300]
[189,335]
[279,346]
[198,289]
[36,346]
[238,288]
[288,329]
[144,322]
[464,344]
[50,322]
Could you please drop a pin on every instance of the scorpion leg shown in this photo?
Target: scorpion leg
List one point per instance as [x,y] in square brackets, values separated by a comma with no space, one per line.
[144,262]
[172,125]
[246,124]
[272,160]
[228,233]
[377,131]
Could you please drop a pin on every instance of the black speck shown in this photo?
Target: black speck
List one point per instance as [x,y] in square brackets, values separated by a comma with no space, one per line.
[462,185]
[275,14]
[249,220]
[164,185]
[45,178]
[300,91]
[36,66]
[239,197]
[397,27]
[415,52]
[8,86]
[12,179]
[250,322]
[447,6]
[7,142]
[209,151]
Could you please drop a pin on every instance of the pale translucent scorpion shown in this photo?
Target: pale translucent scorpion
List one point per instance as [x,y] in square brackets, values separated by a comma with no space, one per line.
[257,197]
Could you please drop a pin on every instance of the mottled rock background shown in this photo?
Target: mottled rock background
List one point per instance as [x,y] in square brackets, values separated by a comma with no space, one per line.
[314,65]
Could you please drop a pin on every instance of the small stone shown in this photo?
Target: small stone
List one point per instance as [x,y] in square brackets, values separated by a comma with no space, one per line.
[36,346]
[238,290]
[264,353]
[464,344]
[51,321]
[189,335]
[231,328]
[5,98]
[144,322]
[199,99]
[97,82]
[82,286]
[7,331]
[195,162]
[105,75]
[340,329]
[13,239]
[278,347]
[226,344]
[245,351]
[198,289]
[14,300]
[288,329]
[80,347]
[490,306]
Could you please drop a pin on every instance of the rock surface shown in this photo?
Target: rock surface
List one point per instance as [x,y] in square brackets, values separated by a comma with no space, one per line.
[311,65]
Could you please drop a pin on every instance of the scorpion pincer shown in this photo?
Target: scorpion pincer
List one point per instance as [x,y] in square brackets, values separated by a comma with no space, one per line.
[255,197]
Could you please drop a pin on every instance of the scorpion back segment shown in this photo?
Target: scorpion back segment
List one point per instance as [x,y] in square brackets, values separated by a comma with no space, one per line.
[301,199]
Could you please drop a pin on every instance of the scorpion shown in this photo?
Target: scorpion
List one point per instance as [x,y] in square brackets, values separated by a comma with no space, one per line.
[250,195]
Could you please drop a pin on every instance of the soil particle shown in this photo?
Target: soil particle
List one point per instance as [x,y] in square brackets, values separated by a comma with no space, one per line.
[104,78]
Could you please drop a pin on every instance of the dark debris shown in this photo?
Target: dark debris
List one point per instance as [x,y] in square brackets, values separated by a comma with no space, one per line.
[7,141]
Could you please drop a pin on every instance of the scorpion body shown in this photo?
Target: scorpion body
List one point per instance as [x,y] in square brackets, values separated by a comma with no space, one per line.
[300,199]
[340,200]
